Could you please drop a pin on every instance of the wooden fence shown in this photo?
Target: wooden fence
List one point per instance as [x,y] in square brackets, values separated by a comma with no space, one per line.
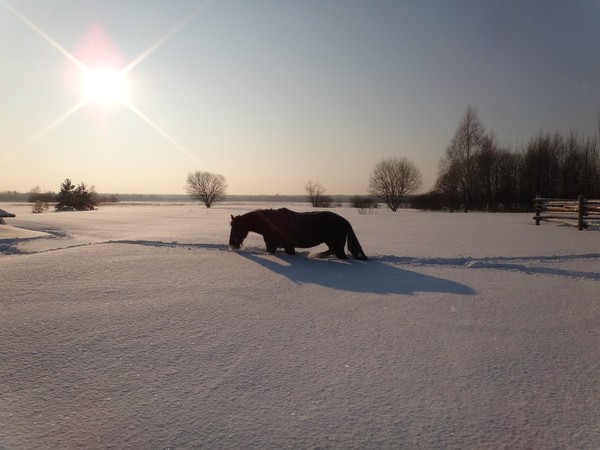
[581,211]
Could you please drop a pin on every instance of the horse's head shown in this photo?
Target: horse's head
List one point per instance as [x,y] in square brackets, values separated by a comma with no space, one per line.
[238,232]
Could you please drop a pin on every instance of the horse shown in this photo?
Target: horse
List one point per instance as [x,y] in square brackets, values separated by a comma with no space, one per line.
[283,228]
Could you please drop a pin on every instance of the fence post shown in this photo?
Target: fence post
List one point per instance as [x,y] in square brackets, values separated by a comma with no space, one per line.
[580,213]
[538,208]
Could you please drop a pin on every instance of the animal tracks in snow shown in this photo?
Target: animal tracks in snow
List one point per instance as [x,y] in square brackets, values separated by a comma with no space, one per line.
[571,266]
[535,265]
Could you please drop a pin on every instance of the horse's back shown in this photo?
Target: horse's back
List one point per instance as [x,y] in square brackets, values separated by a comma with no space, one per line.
[310,215]
[327,218]
[305,229]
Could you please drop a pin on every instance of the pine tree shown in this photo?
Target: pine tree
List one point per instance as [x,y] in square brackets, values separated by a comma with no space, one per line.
[75,198]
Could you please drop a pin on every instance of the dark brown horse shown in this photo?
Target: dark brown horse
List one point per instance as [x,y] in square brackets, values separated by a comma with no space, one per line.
[282,228]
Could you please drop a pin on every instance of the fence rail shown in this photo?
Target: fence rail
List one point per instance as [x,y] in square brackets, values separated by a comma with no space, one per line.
[581,210]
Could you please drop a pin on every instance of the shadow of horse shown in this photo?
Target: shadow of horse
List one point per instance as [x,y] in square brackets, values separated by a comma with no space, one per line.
[355,276]
[376,277]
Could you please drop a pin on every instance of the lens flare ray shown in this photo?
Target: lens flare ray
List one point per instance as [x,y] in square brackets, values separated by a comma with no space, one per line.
[47,38]
[46,129]
[160,131]
[164,39]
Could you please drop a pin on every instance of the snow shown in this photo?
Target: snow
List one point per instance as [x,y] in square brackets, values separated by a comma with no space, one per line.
[135,326]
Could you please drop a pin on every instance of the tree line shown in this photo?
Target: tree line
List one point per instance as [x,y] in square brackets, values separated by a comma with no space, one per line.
[477,173]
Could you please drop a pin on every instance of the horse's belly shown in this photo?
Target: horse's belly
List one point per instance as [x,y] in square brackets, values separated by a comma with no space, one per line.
[303,235]
[307,243]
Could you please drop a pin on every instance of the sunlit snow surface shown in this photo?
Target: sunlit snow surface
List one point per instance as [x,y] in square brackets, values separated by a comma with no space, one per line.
[135,326]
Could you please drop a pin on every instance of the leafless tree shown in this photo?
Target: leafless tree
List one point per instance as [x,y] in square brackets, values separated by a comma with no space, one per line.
[478,173]
[206,187]
[447,184]
[314,193]
[392,179]
[462,154]
[541,166]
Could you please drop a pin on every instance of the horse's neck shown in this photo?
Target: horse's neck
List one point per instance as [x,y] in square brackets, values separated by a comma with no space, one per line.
[257,223]
[263,222]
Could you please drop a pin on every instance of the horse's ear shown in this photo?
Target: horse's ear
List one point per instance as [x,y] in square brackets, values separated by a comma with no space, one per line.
[232,217]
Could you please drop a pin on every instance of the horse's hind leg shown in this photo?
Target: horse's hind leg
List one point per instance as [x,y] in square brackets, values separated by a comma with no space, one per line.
[341,254]
[335,249]
[290,250]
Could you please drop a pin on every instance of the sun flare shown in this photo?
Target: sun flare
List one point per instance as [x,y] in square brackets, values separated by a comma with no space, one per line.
[99,83]
[105,86]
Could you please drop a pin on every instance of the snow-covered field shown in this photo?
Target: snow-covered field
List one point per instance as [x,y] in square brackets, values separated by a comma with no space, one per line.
[135,326]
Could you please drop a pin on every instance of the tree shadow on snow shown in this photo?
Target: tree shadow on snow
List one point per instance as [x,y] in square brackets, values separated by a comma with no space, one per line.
[355,276]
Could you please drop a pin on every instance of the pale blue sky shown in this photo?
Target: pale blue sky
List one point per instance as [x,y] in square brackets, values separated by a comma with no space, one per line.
[274,93]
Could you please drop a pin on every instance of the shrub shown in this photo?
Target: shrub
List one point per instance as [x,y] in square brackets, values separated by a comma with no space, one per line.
[39,207]
[364,203]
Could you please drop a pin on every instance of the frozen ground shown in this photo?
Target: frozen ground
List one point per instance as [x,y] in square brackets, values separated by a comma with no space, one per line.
[137,327]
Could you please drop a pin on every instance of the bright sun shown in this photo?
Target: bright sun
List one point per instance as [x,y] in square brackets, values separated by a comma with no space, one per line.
[105,86]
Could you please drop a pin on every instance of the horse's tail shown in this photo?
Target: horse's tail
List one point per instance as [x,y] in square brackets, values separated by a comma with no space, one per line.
[354,245]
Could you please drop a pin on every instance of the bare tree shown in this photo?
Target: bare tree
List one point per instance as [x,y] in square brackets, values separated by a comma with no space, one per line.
[447,184]
[206,187]
[477,173]
[462,154]
[314,193]
[392,179]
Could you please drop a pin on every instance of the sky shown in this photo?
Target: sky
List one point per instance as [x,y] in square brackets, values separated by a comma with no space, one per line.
[273,94]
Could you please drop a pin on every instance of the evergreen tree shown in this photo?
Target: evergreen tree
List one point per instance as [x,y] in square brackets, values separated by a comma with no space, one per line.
[77,198]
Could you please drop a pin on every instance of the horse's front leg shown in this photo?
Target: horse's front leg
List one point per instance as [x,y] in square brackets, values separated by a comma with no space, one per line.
[290,250]
[271,246]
